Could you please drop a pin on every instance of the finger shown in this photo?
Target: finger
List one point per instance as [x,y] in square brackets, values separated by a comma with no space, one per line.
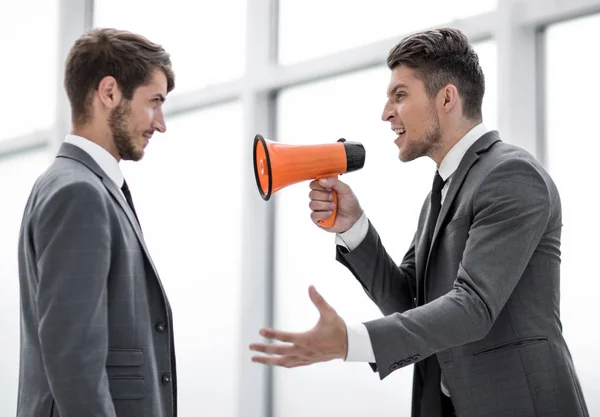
[320,195]
[320,215]
[285,361]
[314,185]
[334,183]
[319,301]
[271,349]
[329,182]
[321,206]
[279,335]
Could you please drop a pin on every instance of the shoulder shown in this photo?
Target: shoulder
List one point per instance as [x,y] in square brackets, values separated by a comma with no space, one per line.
[68,181]
[507,162]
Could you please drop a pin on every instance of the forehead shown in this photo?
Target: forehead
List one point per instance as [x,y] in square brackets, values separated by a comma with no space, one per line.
[403,77]
[156,85]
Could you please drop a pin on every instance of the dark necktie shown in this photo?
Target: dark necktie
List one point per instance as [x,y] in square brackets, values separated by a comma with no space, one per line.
[127,194]
[436,203]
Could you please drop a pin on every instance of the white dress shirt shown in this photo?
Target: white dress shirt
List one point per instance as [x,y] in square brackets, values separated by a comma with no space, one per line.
[359,342]
[101,156]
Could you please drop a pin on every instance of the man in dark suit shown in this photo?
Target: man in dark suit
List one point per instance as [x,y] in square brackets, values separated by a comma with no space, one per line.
[475,302]
[96,325]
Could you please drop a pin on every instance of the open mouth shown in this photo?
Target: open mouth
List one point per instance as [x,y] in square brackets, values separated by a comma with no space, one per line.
[399,132]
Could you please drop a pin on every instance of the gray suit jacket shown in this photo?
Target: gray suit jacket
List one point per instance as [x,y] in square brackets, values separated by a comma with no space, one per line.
[96,325]
[481,304]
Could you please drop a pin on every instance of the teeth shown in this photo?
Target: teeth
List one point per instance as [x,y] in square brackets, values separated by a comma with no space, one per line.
[399,131]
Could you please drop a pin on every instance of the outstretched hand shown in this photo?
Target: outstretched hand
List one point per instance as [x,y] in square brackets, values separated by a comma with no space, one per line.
[327,340]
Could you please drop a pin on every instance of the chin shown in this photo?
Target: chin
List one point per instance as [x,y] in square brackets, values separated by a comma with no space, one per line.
[406,156]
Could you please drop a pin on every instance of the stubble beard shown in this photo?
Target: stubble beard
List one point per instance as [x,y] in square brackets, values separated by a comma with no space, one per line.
[122,137]
[426,145]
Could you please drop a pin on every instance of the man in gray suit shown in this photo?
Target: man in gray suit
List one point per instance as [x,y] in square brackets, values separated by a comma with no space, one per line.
[475,302]
[96,325]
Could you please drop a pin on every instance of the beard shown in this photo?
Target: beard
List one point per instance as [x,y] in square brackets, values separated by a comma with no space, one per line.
[122,137]
[427,143]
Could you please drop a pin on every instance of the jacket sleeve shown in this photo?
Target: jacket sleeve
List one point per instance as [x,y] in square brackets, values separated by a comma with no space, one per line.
[511,210]
[72,242]
[391,287]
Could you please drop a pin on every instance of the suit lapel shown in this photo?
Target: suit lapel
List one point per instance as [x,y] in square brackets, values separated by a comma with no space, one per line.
[116,193]
[70,151]
[456,182]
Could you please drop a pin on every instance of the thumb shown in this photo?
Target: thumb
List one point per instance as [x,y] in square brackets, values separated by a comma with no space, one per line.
[319,302]
[335,183]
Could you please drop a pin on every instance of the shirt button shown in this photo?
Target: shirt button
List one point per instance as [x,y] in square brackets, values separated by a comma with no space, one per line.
[160,327]
[166,379]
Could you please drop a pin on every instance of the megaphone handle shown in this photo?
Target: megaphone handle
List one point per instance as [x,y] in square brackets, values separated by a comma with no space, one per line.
[329,221]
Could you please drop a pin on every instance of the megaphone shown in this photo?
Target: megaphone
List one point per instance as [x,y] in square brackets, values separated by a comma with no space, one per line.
[277,165]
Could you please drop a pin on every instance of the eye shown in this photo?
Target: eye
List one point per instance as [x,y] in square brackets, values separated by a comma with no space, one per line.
[400,95]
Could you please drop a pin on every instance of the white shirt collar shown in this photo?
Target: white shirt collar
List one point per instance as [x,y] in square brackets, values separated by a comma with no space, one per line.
[457,152]
[101,156]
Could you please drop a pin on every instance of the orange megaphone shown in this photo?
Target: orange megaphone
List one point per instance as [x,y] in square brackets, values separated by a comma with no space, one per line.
[277,165]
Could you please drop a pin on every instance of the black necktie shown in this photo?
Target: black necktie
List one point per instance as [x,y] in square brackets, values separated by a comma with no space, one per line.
[436,203]
[127,194]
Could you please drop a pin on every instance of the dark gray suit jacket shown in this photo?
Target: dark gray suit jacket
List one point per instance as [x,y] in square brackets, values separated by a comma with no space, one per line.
[96,325]
[481,304]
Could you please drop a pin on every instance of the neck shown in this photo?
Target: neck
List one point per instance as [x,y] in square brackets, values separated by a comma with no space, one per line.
[99,136]
[451,137]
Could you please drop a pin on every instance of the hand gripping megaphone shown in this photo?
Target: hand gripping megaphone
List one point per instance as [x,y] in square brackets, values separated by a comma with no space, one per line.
[277,165]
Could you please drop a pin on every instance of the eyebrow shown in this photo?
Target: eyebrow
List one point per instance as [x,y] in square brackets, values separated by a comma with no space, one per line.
[396,88]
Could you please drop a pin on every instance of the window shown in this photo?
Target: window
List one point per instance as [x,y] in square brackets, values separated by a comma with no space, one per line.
[17,175]
[313,28]
[29,33]
[205,38]
[186,193]
[488,61]
[572,151]
[390,192]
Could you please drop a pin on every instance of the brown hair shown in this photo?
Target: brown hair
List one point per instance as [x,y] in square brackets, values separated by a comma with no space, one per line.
[441,57]
[128,57]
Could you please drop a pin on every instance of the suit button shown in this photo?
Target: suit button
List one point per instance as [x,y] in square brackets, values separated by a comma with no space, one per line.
[394,367]
[166,379]
[160,327]
[401,363]
[416,357]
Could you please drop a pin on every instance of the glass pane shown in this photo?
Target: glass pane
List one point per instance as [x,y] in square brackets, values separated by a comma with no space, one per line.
[488,59]
[190,209]
[313,28]
[17,175]
[390,192]
[205,38]
[572,149]
[29,34]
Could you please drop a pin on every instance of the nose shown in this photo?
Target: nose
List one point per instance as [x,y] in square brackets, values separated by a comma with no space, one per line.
[159,123]
[388,112]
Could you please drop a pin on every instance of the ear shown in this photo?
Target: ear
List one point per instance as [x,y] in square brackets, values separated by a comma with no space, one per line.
[449,98]
[109,92]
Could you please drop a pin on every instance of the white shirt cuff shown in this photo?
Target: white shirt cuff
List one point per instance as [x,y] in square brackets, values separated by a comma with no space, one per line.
[352,237]
[359,344]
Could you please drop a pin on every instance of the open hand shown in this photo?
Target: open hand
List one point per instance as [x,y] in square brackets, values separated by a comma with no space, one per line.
[327,340]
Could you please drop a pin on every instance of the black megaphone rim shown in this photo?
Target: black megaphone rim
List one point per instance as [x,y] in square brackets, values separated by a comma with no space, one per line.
[266,196]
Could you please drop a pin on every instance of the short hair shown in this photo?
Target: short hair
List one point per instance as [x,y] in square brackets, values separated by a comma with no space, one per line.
[440,57]
[128,57]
